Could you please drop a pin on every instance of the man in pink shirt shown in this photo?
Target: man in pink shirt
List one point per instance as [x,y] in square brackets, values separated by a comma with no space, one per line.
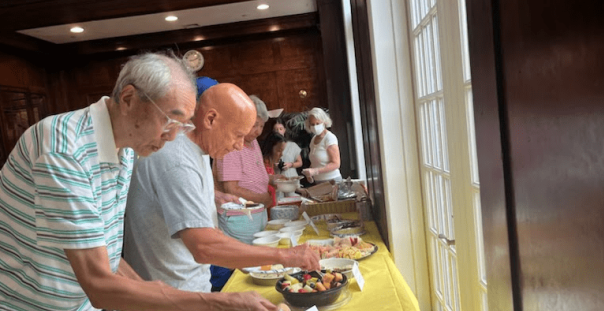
[242,173]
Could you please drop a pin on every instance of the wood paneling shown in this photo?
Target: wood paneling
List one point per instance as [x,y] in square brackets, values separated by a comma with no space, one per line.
[19,72]
[492,142]
[369,121]
[275,69]
[337,81]
[539,116]
[554,93]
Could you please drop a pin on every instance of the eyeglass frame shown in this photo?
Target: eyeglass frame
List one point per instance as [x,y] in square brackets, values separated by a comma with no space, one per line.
[180,126]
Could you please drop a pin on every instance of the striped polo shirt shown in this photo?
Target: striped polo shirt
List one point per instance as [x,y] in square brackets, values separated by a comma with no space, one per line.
[245,166]
[64,186]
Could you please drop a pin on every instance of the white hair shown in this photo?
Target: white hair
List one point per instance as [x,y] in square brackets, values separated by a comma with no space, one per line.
[261,111]
[152,74]
[320,115]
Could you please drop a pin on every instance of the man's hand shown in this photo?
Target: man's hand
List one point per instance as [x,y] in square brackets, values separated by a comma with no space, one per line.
[302,256]
[267,200]
[221,198]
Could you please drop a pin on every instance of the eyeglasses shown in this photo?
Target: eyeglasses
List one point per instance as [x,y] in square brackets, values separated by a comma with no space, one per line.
[171,124]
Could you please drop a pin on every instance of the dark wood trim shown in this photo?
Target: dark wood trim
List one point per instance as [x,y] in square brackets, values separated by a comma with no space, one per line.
[500,240]
[365,79]
[337,80]
[12,41]
[27,14]
[210,35]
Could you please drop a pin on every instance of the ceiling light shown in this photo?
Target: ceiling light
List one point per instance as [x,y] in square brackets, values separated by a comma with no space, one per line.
[120,48]
[77,29]
[262,7]
[171,18]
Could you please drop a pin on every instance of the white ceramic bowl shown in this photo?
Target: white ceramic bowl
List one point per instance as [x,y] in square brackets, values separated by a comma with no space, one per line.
[291,229]
[271,241]
[287,185]
[285,237]
[342,265]
[296,223]
[290,212]
[262,234]
[276,224]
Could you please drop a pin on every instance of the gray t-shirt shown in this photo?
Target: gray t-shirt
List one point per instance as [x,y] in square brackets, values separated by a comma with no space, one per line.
[171,190]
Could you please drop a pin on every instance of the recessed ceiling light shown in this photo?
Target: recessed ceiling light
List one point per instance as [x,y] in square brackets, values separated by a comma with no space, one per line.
[262,7]
[198,38]
[77,29]
[171,18]
[120,48]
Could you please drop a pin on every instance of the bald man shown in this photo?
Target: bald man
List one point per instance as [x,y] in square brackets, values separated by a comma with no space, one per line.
[171,213]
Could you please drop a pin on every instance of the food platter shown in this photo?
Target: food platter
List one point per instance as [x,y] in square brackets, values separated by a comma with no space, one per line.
[330,249]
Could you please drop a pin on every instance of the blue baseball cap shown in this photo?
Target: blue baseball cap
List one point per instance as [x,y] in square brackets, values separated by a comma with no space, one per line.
[204,83]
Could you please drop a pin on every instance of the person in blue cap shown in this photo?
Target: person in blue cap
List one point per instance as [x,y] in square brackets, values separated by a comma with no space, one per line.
[170,232]
[204,83]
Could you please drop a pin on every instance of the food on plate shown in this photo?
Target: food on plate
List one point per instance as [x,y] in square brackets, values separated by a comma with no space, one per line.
[326,218]
[308,284]
[340,269]
[311,288]
[349,247]
[271,267]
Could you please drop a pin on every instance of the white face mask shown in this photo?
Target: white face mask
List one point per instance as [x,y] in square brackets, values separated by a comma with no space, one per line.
[317,129]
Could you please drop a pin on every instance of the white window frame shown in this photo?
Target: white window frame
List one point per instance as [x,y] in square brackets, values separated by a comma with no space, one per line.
[392,70]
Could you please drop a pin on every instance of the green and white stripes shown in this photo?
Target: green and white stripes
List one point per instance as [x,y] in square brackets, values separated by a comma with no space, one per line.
[55,193]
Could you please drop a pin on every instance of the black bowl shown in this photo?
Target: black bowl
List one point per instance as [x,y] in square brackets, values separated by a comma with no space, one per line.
[312,299]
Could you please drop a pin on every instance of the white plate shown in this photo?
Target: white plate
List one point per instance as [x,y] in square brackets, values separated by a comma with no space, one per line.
[257,270]
[296,223]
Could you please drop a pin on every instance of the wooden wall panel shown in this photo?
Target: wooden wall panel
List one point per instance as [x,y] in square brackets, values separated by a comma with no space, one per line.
[291,82]
[275,69]
[19,72]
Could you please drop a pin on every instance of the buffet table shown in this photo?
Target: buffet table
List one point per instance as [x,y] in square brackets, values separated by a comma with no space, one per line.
[385,288]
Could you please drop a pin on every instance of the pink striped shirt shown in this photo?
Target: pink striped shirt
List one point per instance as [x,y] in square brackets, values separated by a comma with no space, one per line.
[245,166]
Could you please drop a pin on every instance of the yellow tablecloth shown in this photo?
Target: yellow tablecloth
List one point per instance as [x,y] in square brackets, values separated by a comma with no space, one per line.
[385,288]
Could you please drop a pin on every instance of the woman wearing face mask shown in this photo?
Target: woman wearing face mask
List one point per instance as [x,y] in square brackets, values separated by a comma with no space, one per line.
[324,151]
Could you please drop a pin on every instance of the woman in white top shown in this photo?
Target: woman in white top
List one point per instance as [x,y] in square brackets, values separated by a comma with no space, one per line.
[291,154]
[324,151]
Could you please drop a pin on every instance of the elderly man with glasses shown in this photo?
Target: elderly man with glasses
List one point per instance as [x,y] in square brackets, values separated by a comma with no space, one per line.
[170,230]
[63,194]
